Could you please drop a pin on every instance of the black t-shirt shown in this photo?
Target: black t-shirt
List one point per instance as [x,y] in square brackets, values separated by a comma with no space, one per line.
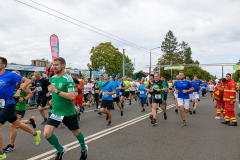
[33,86]
[157,85]
[42,89]
[75,80]
[150,86]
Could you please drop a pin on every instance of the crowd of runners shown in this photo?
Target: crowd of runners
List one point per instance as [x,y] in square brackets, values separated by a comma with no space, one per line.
[66,96]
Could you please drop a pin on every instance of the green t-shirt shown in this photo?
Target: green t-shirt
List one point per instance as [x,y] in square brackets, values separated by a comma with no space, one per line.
[99,84]
[21,106]
[155,87]
[145,82]
[62,106]
[127,84]
[170,85]
[238,85]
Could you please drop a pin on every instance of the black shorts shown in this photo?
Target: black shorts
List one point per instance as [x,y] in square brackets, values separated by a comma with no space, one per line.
[107,104]
[165,97]
[21,113]
[8,114]
[117,99]
[170,89]
[150,100]
[132,92]
[126,94]
[41,102]
[211,91]
[70,121]
[138,93]
[123,94]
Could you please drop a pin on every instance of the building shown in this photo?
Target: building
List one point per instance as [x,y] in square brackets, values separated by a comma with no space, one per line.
[141,74]
[38,63]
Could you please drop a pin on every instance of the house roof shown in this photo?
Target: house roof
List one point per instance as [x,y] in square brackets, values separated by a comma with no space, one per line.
[145,73]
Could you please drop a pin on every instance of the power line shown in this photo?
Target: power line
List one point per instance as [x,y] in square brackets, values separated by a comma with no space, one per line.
[143,50]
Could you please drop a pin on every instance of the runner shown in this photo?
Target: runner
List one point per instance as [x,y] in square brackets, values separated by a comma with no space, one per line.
[165,93]
[158,88]
[7,103]
[211,89]
[143,94]
[96,95]
[148,88]
[122,91]
[127,90]
[170,84]
[137,93]
[196,84]
[63,93]
[108,90]
[99,86]
[116,97]
[204,89]
[86,92]
[175,93]
[182,88]
[132,89]
[42,90]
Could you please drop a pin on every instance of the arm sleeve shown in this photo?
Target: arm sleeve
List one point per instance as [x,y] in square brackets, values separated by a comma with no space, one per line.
[163,85]
[16,77]
[233,93]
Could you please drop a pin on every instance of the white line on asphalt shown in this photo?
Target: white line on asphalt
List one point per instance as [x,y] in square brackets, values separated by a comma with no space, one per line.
[96,135]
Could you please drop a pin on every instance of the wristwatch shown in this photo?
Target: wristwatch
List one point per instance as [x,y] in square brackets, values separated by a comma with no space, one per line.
[20,89]
[58,91]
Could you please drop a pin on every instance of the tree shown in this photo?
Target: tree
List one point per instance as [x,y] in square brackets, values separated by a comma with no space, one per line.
[236,75]
[47,62]
[108,58]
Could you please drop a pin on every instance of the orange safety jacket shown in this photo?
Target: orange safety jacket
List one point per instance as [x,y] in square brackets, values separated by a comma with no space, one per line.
[229,93]
[218,91]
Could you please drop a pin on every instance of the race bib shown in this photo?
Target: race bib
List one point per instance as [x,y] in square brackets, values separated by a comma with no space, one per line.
[141,92]
[76,93]
[56,117]
[157,96]
[39,89]
[93,92]
[203,87]
[104,94]
[120,93]
[85,92]
[114,95]
[149,95]
[132,89]
[195,93]
[2,103]
[96,91]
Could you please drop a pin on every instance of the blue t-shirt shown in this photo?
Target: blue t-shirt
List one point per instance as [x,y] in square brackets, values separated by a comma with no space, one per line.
[122,90]
[143,91]
[110,88]
[167,87]
[7,86]
[196,85]
[204,87]
[116,85]
[183,85]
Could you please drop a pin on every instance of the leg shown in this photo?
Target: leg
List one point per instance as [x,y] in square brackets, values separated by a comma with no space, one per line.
[41,110]
[109,113]
[26,128]
[154,110]
[182,113]
[218,108]
[80,138]
[1,147]
[13,131]
[103,110]
[195,103]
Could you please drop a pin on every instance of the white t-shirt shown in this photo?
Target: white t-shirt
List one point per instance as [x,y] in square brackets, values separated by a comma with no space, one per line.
[138,84]
[132,84]
[86,88]
[211,87]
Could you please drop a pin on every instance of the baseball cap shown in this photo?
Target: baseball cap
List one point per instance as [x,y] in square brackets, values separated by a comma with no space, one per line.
[113,75]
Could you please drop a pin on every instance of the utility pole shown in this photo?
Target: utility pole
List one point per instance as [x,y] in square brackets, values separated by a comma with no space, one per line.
[222,71]
[150,69]
[123,62]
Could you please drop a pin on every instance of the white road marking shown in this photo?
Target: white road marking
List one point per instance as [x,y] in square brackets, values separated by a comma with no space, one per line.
[96,136]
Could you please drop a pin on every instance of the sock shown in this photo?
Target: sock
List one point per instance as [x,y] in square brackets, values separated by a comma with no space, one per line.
[35,134]
[130,100]
[80,138]
[121,104]
[53,140]
[45,119]
[1,152]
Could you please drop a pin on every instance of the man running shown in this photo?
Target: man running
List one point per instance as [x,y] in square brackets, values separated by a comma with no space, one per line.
[158,88]
[98,85]
[182,88]
[63,93]
[41,88]
[170,84]
[143,94]
[196,84]
[116,97]
[165,93]
[148,88]
[108,90]
[204,89]
[127,90]
[8,82]
[175,93]
[20,112]
[132,89]
[122,91]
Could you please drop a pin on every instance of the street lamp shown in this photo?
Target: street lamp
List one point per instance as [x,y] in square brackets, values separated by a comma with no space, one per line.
[151,59]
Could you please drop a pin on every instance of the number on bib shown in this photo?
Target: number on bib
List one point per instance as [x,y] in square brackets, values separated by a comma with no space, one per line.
[158,96]
[195,93]
[39,89]
[114,95]
[56,117]
[141,92]
[149,95]
[2,103]
[96,91]
[104,94]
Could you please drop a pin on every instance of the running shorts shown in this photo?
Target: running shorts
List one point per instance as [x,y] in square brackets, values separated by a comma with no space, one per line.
[21,113]
[126,94]
[70,121]
[117,99]
[41,102]
[78,99]
[107,104]
[183,102]
[8,114]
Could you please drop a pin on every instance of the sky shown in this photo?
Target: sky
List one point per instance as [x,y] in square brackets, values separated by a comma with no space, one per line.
[211,28]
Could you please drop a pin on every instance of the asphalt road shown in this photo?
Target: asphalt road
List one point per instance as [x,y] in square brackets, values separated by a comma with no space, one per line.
[133,137]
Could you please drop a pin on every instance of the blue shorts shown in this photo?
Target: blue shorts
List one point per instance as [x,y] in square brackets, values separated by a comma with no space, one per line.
[143,100]
[8,114]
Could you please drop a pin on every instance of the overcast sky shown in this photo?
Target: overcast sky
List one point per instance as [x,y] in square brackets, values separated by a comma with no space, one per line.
[211,28]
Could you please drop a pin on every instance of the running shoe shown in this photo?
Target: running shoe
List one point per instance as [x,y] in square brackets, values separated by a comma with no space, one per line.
[122,113]
[176,110]
[217,117]
[233,124]
[199,100]
[44,122]
[184,124]
[194,111]
[203,97]
[93,103]
[109,123]
[154,122]
[147,103]
[89,104]
[79,117]
[226,122]
[193,104]
[59,155]
[84,154]
[100,113]
[38,137]
[151,117]
[190,112]
[3,156]
[9,148]
[129,103]
[96,109]
[33,122]
[165,116]
[143,110]
[113,108]
[107,117]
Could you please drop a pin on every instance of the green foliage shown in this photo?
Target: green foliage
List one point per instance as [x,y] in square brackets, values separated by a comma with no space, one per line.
[47,62]
[236,75]
[175,54]
[108,58]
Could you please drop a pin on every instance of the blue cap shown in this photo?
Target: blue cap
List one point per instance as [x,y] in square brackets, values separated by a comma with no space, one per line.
[113,75]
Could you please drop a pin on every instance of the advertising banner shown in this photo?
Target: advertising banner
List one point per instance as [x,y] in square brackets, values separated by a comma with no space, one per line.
[54,44]
[174,67]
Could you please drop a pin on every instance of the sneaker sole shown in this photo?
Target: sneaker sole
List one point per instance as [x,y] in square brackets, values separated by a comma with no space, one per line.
[8,151]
